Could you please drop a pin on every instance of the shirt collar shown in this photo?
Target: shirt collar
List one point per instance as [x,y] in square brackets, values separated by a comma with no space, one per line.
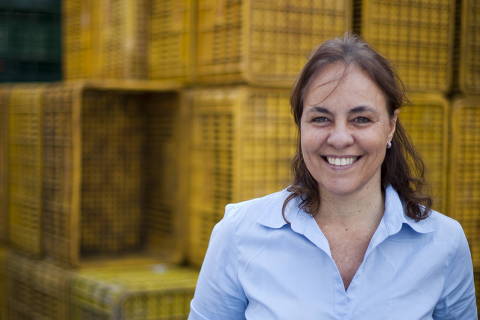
[393,217]
[271,213]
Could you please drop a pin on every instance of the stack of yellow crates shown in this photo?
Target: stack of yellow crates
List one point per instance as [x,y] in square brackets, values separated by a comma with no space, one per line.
[464,174]
[464,196]
[92,172]
[93,177]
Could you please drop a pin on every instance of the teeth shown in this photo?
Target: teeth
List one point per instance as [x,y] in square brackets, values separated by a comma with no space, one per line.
[341,161]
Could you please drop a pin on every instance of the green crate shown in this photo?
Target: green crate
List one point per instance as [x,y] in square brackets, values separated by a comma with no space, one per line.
[30,36]
[417,36]
[469,59]
[426,122]
[242,142]
[33,37]
[29,47]
[45,6]
[263,42]
[464,184]
[132,292]
[28,71]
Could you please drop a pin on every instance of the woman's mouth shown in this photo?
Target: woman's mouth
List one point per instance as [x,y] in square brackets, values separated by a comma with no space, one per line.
[343,161]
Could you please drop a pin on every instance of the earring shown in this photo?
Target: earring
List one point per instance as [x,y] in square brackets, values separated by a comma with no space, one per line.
[389,144]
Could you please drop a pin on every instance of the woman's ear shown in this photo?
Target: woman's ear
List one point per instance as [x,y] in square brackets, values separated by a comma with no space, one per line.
[393,124]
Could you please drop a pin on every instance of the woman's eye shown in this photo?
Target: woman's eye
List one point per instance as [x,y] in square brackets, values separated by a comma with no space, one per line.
[361,120]
[320,119]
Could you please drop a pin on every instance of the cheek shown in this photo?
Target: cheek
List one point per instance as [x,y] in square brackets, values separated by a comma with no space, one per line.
[376,137]
[310,140]
[375,143]
[379,152]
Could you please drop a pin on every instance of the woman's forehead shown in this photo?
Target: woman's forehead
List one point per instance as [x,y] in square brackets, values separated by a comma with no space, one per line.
[338,83]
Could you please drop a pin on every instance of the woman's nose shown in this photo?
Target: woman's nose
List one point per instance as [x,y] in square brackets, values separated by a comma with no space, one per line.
[340,137]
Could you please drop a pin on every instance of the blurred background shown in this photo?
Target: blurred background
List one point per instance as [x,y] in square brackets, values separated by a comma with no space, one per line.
[126,126]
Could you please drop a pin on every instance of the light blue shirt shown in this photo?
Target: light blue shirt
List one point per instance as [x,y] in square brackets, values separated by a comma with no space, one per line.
[258,267]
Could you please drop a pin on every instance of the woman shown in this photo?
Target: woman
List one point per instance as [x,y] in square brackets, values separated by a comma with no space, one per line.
[353,237]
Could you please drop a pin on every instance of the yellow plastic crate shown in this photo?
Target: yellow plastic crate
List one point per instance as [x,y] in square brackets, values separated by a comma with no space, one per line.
[78,19]
[417,36]
[469,60]
[73,51]
[105,39]
[170,50]
[464,184]
[113,173]
[261,41]
[243,140]
[25,168]
[426,122]
[132,292]
[36,289]
[4,97]
[3,292]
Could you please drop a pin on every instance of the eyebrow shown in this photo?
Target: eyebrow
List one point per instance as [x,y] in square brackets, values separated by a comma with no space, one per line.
[357,109]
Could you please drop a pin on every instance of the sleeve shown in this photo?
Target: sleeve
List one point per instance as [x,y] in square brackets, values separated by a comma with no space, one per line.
[458,298]
[218,294]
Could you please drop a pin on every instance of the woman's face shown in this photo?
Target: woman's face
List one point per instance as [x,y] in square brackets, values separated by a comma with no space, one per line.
[345,127]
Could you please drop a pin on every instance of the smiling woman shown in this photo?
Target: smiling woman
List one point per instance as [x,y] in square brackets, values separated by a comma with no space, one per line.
[353,237]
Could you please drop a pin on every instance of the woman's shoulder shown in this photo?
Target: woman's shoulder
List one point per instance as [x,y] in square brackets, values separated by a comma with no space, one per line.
[445,230]
[442,223]
[244,214]
[243,221]
[434,222]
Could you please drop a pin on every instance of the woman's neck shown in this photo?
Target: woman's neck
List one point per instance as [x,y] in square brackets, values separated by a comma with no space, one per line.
[360,210]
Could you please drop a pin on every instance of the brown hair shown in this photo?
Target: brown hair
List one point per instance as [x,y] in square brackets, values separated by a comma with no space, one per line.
[402,167]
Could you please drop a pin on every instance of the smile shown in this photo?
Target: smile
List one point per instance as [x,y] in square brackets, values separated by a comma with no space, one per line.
[341,161]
